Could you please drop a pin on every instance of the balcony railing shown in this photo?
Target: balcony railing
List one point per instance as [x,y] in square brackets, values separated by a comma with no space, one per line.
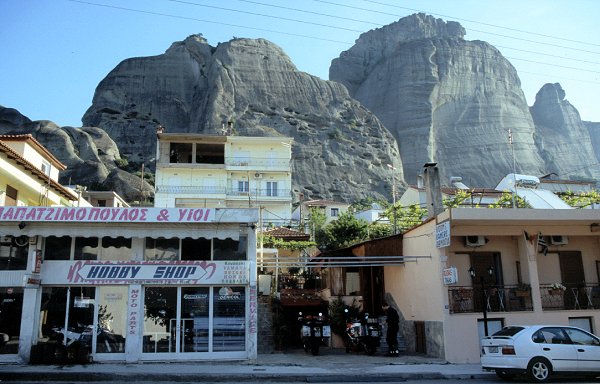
[574,296]
[513,298]
[258,163]
[204,190]
[498,298]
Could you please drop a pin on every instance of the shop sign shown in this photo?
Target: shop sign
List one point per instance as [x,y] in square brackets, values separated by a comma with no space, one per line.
[38,261]
[31,280]
[108,214]
[450,275]
[442,235]
[117,272]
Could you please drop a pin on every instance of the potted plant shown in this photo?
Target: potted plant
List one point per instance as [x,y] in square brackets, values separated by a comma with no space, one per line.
[557,289]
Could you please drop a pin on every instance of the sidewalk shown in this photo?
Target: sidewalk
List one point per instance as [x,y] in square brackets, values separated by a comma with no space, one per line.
[291,366]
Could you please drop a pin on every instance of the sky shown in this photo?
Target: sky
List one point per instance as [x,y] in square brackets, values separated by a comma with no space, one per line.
[53,53]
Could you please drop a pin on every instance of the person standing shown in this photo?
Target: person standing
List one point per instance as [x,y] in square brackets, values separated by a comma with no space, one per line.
[392,320]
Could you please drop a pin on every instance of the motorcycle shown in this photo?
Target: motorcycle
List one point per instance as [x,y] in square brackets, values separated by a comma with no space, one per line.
[314,332]
[362,335]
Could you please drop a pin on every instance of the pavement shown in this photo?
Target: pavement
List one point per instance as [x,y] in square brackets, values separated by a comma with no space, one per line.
[331,365]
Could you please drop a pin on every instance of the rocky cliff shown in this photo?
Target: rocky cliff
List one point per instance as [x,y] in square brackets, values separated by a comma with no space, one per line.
[90,155]
[340,148]
[563,140]
[444,99]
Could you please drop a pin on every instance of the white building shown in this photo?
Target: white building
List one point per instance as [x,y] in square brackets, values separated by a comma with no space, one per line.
[211,171]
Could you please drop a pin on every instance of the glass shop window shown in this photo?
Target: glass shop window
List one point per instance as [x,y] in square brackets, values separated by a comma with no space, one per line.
[160,314]
[57,248]
[80,321]
[195,249]
[194,318]
[116,248]
[230,249]
[11,307]
[161,249]
[86,248]
[13,253]
[229,321]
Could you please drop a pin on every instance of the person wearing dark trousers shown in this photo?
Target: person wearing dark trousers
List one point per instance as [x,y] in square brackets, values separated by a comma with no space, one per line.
[392,320]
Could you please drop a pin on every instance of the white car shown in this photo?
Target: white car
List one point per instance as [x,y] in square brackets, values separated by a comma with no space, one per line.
[540,351]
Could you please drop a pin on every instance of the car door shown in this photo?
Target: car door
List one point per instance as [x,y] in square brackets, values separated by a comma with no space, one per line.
[557,347]
[588,349]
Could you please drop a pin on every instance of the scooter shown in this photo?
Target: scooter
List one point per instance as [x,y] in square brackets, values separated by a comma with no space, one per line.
[362,335]
[314,332]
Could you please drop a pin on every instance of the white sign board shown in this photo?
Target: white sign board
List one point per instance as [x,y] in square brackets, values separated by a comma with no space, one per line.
[442,234]
[450,275]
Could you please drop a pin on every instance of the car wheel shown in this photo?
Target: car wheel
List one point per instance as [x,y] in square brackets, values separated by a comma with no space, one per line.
[539,370]
[504,375]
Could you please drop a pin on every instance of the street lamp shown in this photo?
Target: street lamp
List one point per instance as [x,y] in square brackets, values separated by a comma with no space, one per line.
[390,166]
[490,272]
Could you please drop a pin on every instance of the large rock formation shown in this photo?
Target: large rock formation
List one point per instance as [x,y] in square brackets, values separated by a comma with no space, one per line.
[340,149]
[90,155]
[444,99]
[563,140]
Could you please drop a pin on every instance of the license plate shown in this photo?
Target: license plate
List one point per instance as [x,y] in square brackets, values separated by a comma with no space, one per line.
[493,349]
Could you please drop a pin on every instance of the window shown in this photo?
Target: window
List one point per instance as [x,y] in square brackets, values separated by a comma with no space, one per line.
[11,196]
[57,248]
[11,308]
[102,203]
[13,253]
[86,248]
[229,249]
[46,167]
[271,188]
[229,322]
[335,212]
[180,153]
[196,249]
[161,249]
[243,186]
[116,248]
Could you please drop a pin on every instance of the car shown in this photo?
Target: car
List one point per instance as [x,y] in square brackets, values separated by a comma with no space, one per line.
[539,351]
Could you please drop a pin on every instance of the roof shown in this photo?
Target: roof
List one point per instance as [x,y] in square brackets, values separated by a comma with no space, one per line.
[287,234]
[35,171]
[29,139]
[323,202]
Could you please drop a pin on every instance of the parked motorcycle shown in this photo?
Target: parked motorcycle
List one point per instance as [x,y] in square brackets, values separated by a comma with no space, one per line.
[314,332]
[362,335]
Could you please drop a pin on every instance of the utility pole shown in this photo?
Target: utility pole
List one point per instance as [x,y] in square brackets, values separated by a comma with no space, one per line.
[390,166]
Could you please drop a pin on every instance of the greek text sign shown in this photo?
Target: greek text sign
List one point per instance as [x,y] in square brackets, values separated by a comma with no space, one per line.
[176,272]
[450,275]
[108,214]
[442,235]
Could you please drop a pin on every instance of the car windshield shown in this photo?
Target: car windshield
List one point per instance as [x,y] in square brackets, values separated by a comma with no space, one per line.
[508,331]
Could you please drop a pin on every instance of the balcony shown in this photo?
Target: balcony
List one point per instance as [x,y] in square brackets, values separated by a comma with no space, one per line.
[190,190]
[573,297]
[270,193]
[259,163]
[498,298]
[254,193]
[512,298]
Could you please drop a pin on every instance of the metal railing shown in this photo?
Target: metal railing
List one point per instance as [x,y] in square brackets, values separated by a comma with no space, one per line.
[496,298]
[213,190]
[572,297]
[258,163]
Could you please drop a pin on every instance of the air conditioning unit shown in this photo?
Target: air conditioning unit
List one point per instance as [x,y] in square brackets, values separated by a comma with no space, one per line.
[258,175]
[559,240]
[474,241]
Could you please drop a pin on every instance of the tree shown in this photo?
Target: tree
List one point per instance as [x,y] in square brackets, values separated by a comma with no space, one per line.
[506,201]
[406,216]
[316,222]
[377,230]
[344,231]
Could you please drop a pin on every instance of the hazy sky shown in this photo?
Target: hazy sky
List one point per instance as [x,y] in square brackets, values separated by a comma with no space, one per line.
[55,52]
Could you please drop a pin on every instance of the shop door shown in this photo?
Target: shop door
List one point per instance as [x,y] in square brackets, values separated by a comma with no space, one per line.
[572,276]
[181,321]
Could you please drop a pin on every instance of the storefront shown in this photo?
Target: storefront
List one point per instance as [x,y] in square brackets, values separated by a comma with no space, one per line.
[130,284]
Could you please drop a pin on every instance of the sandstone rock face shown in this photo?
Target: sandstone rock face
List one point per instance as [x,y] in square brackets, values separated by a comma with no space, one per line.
[340,149]
[563,140]
[89,153]
[594,131]
[444,99]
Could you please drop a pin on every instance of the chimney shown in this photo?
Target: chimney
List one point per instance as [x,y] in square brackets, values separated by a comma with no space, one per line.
[433,189]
